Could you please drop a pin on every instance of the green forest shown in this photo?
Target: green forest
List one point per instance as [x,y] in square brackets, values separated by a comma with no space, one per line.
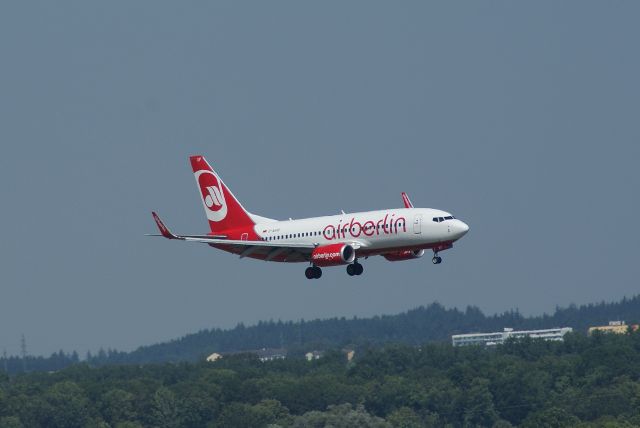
[423,324]
[433,323]
[581,382]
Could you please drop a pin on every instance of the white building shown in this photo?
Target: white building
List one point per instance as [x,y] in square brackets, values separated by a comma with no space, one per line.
[313,355]
[489,339]
[266,354]
[214,357]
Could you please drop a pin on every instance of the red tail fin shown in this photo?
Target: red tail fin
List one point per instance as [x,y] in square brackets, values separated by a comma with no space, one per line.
[223,210]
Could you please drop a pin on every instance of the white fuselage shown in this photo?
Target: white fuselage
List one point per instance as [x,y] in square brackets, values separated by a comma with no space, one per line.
[373,232]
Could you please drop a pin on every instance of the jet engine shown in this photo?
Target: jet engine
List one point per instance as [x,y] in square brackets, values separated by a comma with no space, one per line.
[333,255]
[404,255]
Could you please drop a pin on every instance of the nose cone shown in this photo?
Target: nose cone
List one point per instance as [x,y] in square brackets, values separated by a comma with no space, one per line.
[459,229]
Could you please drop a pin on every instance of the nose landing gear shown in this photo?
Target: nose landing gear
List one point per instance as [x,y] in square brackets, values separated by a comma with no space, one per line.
[355,269]
[436,260]
[313,272]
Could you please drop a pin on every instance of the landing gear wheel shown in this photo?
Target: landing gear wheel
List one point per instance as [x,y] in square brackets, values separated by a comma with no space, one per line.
[436,260]
[309,273]
[351,270]
[317,272]
[359,268]
[313,272]
[355,269]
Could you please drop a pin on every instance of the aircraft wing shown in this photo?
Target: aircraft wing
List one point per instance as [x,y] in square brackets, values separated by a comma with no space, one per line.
[270,249]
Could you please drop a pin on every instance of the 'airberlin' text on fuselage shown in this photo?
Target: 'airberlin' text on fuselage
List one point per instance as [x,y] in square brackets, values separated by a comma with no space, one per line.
[384,226]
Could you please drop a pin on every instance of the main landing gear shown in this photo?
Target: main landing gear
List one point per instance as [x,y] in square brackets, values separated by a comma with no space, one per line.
[355,269]
[313,272]
[436,260]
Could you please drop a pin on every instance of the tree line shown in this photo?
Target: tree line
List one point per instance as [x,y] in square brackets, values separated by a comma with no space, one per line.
[423,324]
[581,382]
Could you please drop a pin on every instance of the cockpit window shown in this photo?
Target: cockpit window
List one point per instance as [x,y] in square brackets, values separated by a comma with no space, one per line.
[441,219]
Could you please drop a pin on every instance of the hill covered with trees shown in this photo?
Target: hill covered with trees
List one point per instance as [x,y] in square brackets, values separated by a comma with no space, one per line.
[432,323]
[581,382]
[417,326]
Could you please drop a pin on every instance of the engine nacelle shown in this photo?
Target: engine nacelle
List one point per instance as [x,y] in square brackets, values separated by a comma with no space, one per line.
[333,255]
[404,255]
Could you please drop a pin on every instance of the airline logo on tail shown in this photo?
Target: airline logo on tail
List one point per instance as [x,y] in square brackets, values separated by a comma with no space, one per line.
[212,195]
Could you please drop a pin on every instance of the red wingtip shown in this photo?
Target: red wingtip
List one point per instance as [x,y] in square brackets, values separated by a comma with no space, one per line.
[163,229]
[406,200]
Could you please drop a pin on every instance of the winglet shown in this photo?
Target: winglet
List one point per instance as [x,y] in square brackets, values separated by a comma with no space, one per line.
[163,229]
[406,200]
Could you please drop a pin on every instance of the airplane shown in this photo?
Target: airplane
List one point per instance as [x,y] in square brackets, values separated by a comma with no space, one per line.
[337,240]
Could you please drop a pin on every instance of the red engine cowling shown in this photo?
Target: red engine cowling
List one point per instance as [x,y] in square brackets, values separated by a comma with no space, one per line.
[404,255]
[333,255]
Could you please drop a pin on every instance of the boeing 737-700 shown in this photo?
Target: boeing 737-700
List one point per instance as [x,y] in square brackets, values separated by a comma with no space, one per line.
[343,239]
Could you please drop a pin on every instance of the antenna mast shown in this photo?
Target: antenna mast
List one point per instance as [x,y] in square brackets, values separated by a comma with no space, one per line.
[23,351]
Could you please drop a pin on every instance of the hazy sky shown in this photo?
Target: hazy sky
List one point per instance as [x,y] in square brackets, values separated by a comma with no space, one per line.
[521,118]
